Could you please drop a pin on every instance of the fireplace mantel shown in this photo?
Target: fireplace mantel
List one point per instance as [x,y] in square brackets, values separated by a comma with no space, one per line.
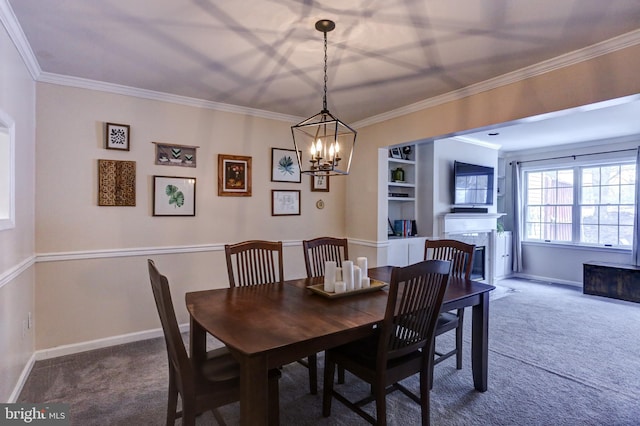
[462,223]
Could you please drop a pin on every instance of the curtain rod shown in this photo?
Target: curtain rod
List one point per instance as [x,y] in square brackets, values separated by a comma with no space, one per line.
[574,156]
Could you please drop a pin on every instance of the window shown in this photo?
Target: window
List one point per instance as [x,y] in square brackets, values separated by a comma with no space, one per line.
[587,204]
[7,193]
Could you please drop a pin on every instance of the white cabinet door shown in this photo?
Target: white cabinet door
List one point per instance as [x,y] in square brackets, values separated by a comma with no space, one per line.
[503,255]
[398,252]
[405,251]
[416,250]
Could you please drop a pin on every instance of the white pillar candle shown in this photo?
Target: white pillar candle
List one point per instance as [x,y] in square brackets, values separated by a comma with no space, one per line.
[362,263]
[366,282]
[357,278]
[340,287]
[329,276]
[339,274]
[347,274]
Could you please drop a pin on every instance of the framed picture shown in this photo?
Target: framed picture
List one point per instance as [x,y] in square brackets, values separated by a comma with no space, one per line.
[320,183]
[284,166]
[234,176]
[174,196]
[116,183]
[285,203]
[117,136]
[395,153]
[175,155]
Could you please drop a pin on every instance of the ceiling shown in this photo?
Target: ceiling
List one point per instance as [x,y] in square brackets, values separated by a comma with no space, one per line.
[266,54]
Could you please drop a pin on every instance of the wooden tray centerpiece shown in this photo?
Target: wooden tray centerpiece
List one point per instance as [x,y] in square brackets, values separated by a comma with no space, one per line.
[319,289]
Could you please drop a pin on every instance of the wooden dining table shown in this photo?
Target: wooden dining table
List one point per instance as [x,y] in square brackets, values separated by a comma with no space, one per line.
[270,325]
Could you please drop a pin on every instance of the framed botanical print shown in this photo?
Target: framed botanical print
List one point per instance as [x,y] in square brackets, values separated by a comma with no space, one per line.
[234,176]
[117,136]
[320,183]
[285,202]
[174,196]
[284,166]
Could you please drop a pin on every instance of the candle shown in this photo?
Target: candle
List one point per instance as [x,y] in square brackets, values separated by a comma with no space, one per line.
[340,287]
[362,263]
[347,274]
[366,282]
[339,274]
[357,278]
[329,276]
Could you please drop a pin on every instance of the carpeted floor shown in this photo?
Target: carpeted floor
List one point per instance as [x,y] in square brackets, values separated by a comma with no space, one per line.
[557,357]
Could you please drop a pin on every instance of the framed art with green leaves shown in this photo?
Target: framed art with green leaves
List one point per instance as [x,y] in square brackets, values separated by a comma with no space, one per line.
[284,166]
[174,196]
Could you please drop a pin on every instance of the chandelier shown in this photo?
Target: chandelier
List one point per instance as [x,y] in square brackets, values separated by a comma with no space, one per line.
[324,139]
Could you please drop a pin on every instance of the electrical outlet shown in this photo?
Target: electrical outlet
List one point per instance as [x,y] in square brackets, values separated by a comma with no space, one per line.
[29,321]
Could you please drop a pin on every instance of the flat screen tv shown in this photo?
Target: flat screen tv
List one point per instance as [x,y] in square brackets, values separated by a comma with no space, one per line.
[473,185]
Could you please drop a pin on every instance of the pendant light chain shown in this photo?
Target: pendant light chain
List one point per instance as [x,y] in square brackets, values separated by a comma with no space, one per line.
[323,142]
[324,99]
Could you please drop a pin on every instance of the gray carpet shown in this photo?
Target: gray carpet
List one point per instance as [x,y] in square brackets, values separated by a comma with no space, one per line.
[557,357]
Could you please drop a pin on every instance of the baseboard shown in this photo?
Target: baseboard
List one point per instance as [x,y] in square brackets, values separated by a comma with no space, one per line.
[547,279]
[22,379]
[75,348]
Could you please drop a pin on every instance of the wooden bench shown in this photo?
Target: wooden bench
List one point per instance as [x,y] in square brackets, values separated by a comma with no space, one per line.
[615,280]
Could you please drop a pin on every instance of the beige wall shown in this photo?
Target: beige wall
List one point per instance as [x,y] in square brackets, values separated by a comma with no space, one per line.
[17,99]
[606,77]
[86,288]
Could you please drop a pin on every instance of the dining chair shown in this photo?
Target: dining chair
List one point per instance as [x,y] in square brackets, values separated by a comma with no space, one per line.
[401,346]
[316,252]
[215,384]
[254,262]
[259,262]
[461,257]
[320,250]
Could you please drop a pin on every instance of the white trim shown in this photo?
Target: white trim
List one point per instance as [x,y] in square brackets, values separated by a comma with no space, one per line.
[7,122]
[11,274]
[369,243]
[599,49]
[22,379]
[154,251]
[106,342]
[546,279]
[8,18]
[139,251]
[17,36]
[84,83]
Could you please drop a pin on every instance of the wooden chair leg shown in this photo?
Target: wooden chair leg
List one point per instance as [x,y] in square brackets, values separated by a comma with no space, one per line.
[327,393]
[172,403]
[312,361]
[459,340]
[425,380]
[381,404]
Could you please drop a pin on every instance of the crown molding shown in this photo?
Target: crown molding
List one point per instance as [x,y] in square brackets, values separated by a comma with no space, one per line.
[8,18]
[10,22]
[85,83]
[612,45]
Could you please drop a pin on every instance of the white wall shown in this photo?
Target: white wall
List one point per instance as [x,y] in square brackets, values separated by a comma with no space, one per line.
[17,278]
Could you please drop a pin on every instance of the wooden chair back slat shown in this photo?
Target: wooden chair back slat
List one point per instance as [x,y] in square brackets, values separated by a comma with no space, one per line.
[254,262]
[415,297]
[323,249]
[458,253]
